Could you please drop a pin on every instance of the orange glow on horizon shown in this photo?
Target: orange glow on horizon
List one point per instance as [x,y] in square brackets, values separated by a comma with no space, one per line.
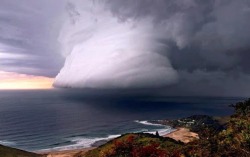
[10,80]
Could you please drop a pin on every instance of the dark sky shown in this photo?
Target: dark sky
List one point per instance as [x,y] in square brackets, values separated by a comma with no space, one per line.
[204,44]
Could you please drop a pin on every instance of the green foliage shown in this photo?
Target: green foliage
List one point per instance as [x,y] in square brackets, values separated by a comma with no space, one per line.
[137,145]
[233,141]
[242,109]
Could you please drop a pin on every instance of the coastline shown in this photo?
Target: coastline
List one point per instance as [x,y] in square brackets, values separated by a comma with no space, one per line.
[66,153]
[180,134]
[186,136]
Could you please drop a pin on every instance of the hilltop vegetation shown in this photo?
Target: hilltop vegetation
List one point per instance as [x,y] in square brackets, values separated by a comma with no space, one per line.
[229,140]
[137,145]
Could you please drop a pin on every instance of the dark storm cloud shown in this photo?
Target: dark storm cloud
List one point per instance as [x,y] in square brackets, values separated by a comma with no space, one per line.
[215,33]
[207,41]
[210,47]
[28,37]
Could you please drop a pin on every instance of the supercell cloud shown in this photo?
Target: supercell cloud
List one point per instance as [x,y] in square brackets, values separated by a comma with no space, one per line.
[155,43]
[181,47]
[105,52]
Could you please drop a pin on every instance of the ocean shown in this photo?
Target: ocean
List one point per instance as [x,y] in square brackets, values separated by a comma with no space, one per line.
[40,120]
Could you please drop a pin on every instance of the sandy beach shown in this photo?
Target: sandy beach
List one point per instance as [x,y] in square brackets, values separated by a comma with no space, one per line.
[67,153]
[182,134]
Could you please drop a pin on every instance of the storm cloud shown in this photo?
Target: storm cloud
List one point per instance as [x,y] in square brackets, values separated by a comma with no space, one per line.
[180,47]
[108,53]
[28,37]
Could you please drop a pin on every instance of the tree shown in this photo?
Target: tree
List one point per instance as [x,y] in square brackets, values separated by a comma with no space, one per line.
[157,133]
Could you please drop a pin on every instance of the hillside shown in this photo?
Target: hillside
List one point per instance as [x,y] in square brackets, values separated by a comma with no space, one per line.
[12,152]
[230,140]
[139,144]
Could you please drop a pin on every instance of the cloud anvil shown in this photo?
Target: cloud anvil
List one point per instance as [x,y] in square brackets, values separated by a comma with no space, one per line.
[168,44]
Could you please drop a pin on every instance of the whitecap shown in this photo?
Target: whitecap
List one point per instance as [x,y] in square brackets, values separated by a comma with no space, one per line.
[7,143]
[148,123]
[81,142]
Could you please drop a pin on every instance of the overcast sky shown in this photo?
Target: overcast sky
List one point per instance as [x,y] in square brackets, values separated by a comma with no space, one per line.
[183,47]
[28,36]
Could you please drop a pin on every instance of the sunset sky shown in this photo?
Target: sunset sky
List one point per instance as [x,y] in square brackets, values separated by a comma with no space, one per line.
[10,81]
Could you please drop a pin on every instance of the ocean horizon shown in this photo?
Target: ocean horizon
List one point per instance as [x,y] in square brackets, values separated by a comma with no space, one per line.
[40,120]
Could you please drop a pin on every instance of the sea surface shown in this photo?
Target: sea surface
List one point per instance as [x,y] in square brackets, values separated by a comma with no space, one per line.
[65,119]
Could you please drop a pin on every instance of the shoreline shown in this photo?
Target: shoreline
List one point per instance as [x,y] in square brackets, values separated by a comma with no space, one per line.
[180,134]
[65,153]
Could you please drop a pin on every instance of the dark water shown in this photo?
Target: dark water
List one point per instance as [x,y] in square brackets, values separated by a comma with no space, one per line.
[63,119]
